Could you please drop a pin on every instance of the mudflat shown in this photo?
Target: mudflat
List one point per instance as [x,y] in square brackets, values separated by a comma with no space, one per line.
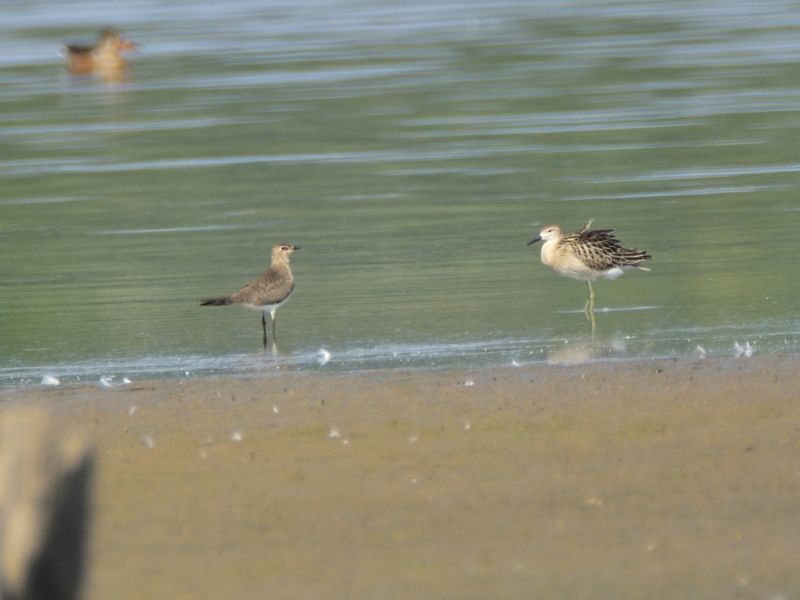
[655,479]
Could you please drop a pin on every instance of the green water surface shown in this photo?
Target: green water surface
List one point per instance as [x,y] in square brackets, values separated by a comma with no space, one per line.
[411,151]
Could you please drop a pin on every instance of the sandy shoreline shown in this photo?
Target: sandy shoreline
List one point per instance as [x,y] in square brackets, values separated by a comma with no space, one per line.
[656,479]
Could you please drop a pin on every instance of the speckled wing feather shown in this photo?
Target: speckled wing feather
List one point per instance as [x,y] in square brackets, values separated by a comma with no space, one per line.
[600,250]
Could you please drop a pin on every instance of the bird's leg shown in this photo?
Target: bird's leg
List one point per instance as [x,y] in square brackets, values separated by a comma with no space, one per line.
[264,327]
[589,308]
[274,339]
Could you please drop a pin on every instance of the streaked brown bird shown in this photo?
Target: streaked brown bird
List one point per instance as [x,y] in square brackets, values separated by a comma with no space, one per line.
[587,255]
[267,292]
[104,56]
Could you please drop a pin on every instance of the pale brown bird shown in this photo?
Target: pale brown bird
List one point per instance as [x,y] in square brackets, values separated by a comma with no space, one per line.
[267,292]
[104,56]
[588,255]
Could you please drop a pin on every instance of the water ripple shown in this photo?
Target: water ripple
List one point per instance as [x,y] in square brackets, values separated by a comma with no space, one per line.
[176,229]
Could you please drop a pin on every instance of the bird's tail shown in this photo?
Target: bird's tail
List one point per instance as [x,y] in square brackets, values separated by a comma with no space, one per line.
[634,258]
[216,301]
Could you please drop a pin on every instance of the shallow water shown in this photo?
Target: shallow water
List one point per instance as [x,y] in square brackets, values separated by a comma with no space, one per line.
[411,151]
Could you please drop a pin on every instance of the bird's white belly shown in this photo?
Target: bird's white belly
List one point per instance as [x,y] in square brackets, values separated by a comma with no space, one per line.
[612,273]
[266,308]
[584,273]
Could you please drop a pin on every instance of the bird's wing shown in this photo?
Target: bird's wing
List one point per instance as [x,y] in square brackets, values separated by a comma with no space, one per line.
[79,48]
[597,249]
[269,288]
[600,250]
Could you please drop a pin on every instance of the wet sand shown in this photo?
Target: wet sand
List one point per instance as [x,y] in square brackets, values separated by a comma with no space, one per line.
[657,479]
